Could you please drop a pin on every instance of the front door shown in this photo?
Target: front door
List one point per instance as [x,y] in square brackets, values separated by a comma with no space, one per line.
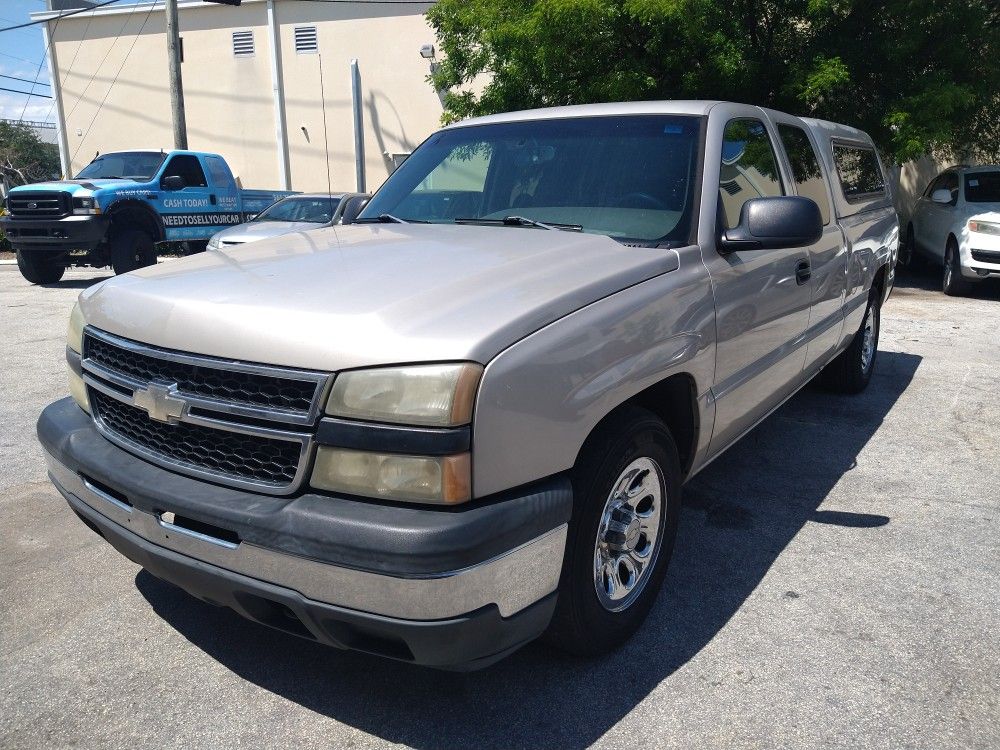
[762,304]
[191,212]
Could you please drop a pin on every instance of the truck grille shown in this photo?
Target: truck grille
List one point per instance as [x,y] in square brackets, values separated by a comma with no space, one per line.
[232,422]
[247,388]
[38,205]
[227,454]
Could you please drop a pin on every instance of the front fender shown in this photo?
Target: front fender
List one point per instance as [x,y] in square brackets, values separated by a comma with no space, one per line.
[541,397]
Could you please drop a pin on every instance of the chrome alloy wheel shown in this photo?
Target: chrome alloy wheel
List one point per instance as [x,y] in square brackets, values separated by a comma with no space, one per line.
[868,334]
[628,536]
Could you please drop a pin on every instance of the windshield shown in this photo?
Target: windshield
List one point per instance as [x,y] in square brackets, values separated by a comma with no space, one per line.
[315,210]
[982,187]
[629,177]
[134,165]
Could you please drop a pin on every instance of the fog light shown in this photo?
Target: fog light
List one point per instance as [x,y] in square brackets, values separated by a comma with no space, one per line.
[422,479]
[78,390]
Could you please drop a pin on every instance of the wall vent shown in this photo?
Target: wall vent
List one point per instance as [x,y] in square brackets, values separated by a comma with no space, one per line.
[305,40]
[243,43]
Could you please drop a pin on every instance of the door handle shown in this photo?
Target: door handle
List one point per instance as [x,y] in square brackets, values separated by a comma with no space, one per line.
[803,271]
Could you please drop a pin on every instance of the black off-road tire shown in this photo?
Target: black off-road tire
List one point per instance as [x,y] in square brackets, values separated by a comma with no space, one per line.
[131,249]
[852,370]
[953,283]
[39,268]
[582,625]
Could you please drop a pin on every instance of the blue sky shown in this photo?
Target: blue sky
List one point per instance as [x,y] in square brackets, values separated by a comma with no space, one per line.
[21,52]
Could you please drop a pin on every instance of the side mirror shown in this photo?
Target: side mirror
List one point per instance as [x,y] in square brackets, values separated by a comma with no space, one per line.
[173,182]
[778,222]
[353,207]
[941,195]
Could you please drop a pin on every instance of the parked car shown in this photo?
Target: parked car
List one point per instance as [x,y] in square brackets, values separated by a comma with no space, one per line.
[294,213]
[122,204]
[465,420]
[956,224]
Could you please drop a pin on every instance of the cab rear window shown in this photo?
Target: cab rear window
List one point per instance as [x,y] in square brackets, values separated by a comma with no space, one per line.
[859,172]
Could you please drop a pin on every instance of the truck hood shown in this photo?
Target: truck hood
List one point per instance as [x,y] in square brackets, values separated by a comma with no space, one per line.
[262,230]
[74,187]
[364,295]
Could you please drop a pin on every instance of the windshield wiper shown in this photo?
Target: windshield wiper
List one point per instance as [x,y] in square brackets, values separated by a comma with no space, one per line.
[381,219]
[520,221]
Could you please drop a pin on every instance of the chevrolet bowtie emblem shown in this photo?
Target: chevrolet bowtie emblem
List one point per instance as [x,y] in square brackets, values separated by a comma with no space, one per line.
[160,402]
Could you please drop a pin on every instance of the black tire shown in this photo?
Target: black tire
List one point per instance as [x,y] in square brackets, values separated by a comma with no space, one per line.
[131,249]
[909,257]
[953,283]
[582,624]
[851,371]
[39,268]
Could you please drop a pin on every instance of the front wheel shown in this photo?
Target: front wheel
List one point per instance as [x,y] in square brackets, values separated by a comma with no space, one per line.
[131,249]
[851,371]
[627,487]
[953,283]
[39,268]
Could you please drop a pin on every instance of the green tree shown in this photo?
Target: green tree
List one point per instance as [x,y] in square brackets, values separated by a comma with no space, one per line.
[918,75]
[23,157]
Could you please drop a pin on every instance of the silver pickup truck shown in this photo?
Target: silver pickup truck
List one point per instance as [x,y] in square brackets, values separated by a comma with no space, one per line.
[465,421]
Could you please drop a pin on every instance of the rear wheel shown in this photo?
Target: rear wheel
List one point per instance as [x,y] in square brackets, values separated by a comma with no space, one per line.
[954,284]
[131,249]
[851,371]
[39,268]
[628,491]
[909,257]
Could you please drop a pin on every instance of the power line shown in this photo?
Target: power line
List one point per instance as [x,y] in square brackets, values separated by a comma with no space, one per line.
[100,66]
[38,71]
[69,70]
[61,15]
[114,80]
[26,80]
[15,57]
[26,93]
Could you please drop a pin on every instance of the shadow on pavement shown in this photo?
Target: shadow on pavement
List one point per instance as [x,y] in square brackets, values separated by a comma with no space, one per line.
[739,515]
[75,283]
[928,278]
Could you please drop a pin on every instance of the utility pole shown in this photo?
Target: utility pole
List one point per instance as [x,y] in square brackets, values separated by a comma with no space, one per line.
[176,85]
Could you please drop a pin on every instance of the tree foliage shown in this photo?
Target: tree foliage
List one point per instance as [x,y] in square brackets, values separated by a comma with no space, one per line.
[918,75]
[24,158]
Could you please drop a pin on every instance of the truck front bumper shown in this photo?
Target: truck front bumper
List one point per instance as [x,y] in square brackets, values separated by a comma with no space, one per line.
[426,586]
[67,233]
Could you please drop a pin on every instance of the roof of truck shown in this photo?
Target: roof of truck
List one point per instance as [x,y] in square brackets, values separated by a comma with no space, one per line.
[668,107]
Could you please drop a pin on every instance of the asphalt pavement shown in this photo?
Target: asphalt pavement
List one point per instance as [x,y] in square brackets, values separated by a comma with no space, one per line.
[835,584]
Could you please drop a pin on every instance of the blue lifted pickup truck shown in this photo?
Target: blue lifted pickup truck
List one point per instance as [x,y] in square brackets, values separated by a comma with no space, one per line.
[122,204]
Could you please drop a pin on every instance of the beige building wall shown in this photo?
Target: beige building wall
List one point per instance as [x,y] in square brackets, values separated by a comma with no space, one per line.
[112,66]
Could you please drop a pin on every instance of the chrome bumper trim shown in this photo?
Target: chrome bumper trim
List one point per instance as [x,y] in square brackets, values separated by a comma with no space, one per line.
[511,581]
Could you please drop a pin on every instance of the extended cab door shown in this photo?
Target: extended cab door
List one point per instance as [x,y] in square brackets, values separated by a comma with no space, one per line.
[762,297]
[828,257]
[188,202]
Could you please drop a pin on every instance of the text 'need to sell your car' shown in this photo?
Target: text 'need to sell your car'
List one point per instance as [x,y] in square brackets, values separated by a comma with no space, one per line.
[465,420]
[120,206]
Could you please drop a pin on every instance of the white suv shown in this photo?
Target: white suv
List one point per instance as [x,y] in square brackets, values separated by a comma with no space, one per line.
[956,223]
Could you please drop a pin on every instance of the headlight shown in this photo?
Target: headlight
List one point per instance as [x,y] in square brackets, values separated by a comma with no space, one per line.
[74,341]
[445,480]
[85,206]
[74,336]
[430,395]
[984,227]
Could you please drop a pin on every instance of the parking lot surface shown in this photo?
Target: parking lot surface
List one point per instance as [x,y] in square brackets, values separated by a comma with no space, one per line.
[835,584]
